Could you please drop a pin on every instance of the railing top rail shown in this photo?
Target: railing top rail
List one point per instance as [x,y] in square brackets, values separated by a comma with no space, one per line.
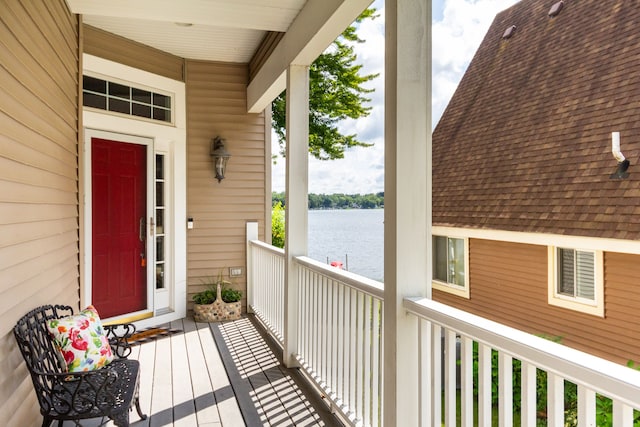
[267,247]
[603,376]
[363,284]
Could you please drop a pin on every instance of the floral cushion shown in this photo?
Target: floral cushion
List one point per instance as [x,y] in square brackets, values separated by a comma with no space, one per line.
[81,340]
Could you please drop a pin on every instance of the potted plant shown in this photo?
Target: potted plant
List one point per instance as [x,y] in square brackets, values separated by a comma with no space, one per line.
[217,302]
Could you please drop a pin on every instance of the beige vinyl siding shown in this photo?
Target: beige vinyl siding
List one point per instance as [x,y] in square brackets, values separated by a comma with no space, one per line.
[508,284]
[128,52]
[38,179]
[216,106]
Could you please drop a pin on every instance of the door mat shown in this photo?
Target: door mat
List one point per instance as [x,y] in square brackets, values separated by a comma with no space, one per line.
[151,334]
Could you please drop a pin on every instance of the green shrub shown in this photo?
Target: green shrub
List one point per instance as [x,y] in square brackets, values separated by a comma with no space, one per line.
[209,295]
[277,225]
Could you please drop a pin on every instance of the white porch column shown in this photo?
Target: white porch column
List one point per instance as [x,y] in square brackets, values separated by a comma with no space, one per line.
[297,188]
[407,208]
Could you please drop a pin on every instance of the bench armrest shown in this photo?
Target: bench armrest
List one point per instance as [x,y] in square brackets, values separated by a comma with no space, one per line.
[119,336]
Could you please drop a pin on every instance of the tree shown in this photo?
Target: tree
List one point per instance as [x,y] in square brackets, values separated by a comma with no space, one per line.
[336,93]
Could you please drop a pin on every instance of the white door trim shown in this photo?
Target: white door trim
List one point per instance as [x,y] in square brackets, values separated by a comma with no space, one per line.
[167,139]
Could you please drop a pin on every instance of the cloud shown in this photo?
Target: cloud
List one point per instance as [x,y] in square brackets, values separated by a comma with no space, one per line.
[458,29]
[456,37]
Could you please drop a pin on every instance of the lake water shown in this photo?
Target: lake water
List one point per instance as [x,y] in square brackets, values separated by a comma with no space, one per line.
[352,236]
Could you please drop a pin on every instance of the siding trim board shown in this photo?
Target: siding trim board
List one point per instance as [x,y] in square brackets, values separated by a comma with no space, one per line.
[545,239]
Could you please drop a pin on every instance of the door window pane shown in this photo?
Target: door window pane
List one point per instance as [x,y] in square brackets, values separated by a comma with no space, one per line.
[160,223]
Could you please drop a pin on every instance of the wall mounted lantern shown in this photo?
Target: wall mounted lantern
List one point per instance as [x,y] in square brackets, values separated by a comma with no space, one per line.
[220,156]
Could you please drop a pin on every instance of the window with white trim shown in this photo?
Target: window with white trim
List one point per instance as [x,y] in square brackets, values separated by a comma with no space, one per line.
[125,99]
[575,280]
[450,265]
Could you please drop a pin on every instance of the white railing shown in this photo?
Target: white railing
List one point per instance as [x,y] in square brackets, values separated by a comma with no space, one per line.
[267,295]
[340,338]
[339,328]
[594,380]
[468,366]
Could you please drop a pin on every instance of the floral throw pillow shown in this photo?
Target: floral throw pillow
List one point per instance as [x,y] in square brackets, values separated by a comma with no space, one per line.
[81,340]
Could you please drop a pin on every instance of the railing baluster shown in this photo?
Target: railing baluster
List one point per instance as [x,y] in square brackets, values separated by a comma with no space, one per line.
[555,400]
[529,384]
[586,407]
[436,358]
[346,347]
[450,378]
[327,332]
[304,322]
[622,415]
[353,343]
[322,328]
[359,355]
[466,381]
[340,353]
[484,385]
[376,373]
[505,399]
[366,368]
[425,374]
[332,338]
[278,296]
[315,361]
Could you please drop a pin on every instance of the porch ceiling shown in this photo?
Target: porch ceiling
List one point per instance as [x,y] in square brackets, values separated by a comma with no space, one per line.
[229,31]
[220,30]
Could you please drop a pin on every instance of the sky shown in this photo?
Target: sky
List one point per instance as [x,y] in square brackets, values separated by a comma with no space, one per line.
[458,28]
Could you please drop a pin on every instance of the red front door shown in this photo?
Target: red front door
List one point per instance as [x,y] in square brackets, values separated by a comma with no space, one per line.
[119,195]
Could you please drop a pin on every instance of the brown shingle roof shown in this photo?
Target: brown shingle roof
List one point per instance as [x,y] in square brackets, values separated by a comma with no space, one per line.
[525,143]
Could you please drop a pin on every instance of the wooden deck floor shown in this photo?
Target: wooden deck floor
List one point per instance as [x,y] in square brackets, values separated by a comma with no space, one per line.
[221,374]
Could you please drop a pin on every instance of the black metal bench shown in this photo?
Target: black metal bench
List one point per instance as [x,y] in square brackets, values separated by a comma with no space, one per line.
[107,392]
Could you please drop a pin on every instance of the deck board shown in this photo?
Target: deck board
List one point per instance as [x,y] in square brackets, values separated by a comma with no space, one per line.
[272,390]
[204,399]
[220,375]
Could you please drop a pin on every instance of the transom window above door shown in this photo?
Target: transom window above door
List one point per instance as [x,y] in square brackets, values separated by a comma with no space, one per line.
[119,98]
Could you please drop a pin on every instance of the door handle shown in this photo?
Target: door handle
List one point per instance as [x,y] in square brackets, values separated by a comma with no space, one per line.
[141,232]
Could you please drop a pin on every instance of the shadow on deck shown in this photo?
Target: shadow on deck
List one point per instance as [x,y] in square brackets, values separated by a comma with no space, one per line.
[221,374]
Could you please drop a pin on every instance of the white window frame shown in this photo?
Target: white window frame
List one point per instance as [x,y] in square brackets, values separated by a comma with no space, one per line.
[594,307]
[450,287]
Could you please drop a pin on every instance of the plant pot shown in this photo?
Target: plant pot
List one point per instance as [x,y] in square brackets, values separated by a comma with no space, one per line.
[217,310]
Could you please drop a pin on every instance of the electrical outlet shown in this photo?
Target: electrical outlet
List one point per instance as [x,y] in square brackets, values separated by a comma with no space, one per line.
[235,271]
